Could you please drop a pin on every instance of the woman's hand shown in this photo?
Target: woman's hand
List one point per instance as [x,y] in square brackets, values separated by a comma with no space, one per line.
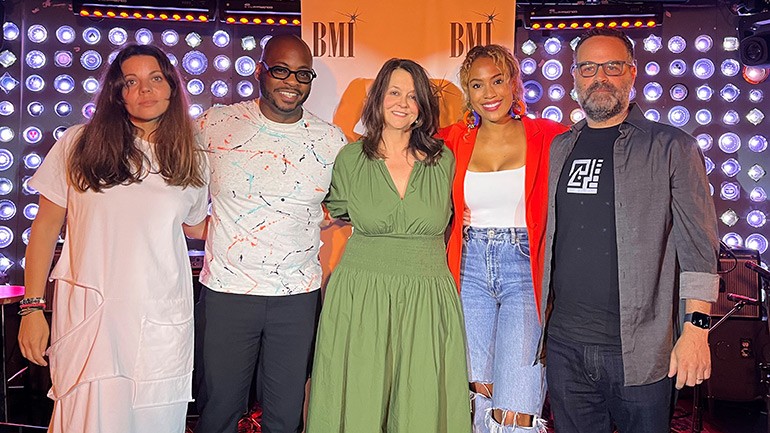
[33,337]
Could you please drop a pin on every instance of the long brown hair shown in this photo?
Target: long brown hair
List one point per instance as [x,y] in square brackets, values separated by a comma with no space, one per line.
[421,139]
[507,64]
[106,155]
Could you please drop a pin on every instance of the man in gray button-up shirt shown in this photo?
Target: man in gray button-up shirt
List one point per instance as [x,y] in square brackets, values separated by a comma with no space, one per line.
[664,250]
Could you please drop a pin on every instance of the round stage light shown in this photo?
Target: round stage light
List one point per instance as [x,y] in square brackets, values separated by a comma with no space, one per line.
[730,68]
[35,59]
[653,43]
[28,190]
[90,85]
[92,36]
[678,92]
[91,60]
[551,46]
[88,110]
[533,91]
[729,142]
[552,69]
[7,209]
[652,91]
[32,135]
[6,159]
[32,161]
[221,38]
[62,108]
[754,75]
[245,88]
[221,63]
[552,112]
[730,191]
[652,68]
[756,241]
[703,68]
[704,43]
[58,132]
[172,58]
[677,68]
[6,237]
[677,44]
[6,108]
[195,110]
[678,116]
[577,115]
[756,95]
[528,66]
[556,92]
[64,83]
[6,186]
[704,92]
[245,66]
[757,143]
[30,211]
[25,235]
[169,37]
[219,89]
[37,33]
[705,141]
[731,117]
[62,59]
[729,92]
[6,134]
[709,164]
[195,62]
[652,114]
[35,108]
[195,87]
[10,31]
[143,36]
[117,36]
[65,34]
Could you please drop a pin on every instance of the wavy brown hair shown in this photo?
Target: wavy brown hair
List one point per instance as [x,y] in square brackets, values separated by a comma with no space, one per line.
[422,139]
[105,154]
[504,60]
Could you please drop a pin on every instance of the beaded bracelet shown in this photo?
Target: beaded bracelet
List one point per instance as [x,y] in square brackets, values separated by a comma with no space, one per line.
[27,301]
[27,310]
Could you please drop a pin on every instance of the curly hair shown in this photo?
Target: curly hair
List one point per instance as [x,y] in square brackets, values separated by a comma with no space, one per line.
[504,60]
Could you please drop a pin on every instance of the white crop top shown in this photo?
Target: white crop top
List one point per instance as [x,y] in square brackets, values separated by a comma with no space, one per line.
[495,198]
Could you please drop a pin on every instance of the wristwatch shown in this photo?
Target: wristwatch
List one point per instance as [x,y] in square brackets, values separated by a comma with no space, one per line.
[698,319]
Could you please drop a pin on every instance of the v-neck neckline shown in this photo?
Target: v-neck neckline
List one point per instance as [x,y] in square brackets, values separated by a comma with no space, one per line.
[392,181]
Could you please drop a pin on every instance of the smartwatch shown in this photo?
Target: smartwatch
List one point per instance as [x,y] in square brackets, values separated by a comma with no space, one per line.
[698,319]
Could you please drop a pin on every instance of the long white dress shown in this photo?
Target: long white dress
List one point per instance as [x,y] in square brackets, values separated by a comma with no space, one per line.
[121,352]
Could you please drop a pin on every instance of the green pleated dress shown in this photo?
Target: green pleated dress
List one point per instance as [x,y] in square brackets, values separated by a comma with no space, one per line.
[390,354]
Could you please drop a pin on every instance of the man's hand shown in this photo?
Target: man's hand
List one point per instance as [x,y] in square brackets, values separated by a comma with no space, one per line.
[690,359]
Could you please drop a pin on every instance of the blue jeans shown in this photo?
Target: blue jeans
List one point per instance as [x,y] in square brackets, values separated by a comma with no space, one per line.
[501,318]
[588,394]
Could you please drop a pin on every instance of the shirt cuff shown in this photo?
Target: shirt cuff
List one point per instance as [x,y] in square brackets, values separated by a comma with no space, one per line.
[702,286]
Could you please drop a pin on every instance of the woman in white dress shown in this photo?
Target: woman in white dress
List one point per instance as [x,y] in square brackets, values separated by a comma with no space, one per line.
[129,182]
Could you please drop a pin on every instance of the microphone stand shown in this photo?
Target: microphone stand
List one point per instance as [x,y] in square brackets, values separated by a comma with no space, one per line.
[697,409]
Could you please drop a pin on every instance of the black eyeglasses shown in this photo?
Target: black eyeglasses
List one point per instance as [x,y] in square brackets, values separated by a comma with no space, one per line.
[613,68]
[303,76]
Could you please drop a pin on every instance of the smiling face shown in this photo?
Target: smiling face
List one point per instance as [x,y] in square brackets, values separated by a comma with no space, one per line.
[490,93]
[281,100]
[399,105]
[603,98]
[146,92]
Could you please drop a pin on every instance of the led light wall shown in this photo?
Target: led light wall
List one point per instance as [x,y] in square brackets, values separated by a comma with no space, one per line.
[50,65]
[689,76]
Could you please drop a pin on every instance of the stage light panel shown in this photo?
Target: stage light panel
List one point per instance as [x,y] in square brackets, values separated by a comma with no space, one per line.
[756,172]
[6,108]
[731,118]
[758,195]
[757,241]
[677,44]
[245,66]
[552,112]
[730,68]
[652,91]
[704,43]
[652,114]
[245,89]
[117,36]
[194,62]
[757,143]
[10,31]
[677,67]
[529,47]
[703,68]
[552,69]
[705,141]
[92,36]
[652,68]
[652,43]
[37,33]
[528,66]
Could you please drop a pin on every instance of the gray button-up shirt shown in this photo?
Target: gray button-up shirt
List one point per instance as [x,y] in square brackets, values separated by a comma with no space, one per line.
[666,236]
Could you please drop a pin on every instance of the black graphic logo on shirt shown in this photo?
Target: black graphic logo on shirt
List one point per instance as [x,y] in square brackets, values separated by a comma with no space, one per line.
[584,176]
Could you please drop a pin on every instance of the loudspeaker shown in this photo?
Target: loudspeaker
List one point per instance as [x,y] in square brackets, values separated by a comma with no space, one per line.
[737,348]
[754,34]
[736,278]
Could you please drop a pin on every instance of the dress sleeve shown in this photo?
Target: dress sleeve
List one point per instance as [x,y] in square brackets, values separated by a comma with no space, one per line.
[337,199]
[200,207]
[50,180]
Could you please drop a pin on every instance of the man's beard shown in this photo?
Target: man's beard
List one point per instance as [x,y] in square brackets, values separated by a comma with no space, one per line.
[607,106]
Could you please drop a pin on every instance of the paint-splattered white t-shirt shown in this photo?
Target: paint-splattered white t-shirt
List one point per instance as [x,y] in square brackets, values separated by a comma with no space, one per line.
[268,180]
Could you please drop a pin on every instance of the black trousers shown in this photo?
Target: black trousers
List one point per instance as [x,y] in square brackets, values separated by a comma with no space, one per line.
[236,330]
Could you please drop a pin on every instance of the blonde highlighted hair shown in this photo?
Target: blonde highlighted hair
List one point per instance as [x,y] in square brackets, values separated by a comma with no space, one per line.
[504,60]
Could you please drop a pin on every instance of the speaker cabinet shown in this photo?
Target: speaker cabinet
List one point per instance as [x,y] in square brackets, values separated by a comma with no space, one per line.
[736,278]
[738,346]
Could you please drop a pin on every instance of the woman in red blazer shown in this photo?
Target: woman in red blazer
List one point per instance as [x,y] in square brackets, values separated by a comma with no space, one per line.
[496,244]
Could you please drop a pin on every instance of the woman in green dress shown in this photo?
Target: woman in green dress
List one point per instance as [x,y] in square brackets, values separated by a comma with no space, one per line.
[390,353]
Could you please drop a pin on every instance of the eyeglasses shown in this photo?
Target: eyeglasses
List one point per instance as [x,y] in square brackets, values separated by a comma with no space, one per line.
[613,68]
[303,76]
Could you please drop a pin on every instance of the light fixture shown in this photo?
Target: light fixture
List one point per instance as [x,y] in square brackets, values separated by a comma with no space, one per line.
[583,17]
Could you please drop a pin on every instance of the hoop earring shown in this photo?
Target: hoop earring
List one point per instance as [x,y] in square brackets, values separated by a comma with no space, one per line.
[518,109]
[472,119]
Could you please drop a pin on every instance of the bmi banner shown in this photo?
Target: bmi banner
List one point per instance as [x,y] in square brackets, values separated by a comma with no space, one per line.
[351,39]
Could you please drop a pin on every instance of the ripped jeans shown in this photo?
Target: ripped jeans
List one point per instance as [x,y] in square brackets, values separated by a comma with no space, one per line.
[501,324]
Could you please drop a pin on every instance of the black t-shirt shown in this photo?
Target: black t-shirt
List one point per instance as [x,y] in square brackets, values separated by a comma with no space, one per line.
[585,260]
